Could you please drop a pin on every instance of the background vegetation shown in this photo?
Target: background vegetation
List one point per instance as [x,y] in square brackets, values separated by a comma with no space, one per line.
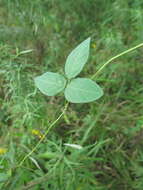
[110,129]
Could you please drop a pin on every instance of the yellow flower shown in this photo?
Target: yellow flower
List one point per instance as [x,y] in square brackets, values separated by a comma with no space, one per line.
[3,151]
[94,45]
[37,133]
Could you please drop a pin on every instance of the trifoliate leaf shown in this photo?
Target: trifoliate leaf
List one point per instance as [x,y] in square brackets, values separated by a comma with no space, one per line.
[77,59]
[50,83]
[82,90]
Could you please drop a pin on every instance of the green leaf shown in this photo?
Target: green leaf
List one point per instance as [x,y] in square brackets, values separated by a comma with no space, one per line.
[77,59]
[50,83]
[82,90]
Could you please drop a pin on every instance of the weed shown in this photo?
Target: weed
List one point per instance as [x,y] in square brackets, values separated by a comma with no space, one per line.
[109,130]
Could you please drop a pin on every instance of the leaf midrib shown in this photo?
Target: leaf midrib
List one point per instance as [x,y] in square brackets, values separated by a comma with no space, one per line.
[82,90]
[63,83]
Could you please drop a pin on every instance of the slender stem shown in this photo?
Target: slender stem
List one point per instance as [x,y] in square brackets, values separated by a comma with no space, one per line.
[115,57]
[43,137]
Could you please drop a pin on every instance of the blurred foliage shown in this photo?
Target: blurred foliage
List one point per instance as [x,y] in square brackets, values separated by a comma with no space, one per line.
[110,129]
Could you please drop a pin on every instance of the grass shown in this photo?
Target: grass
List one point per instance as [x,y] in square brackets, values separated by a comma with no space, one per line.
[110,129]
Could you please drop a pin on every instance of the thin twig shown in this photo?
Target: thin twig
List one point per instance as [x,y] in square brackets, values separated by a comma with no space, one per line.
[43,137]
[115,57]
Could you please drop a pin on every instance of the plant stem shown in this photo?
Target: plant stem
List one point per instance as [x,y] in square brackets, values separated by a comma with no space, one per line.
[115,57]
[43,137]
